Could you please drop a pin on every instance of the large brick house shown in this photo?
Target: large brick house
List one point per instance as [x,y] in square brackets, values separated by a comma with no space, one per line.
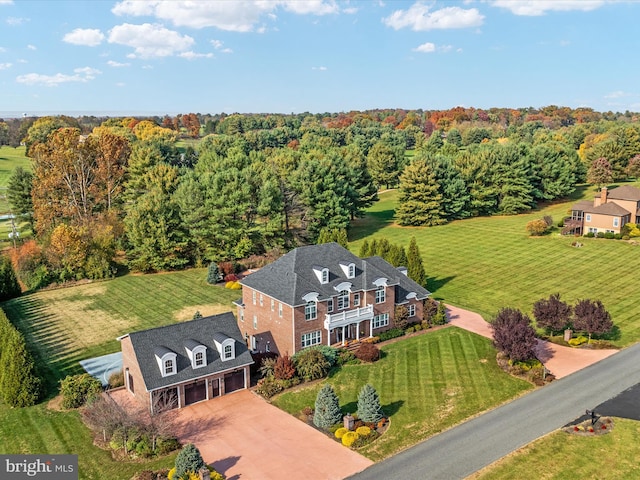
[608,212]
[184,363]
[323,294]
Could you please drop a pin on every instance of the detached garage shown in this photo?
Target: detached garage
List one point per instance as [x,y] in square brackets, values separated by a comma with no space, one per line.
[185,363]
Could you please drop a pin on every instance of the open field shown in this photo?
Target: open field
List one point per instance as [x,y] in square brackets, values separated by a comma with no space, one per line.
[40,430]
[486,263]
[560,455]
[66,325]
[427,383]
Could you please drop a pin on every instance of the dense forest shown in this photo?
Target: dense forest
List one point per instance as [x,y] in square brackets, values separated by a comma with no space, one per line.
[167,193]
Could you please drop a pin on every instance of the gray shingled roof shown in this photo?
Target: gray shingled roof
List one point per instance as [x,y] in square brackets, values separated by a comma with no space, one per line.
[292,276]
[608,209]
[625,192]
[175,337]
[582,205]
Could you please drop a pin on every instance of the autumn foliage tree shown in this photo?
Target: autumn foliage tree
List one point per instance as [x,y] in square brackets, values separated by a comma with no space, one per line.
[600,172]
[552,314]
[514,335]
[591,317]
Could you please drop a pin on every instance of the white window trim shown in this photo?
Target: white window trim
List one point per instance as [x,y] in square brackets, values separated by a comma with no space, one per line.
[330,305]
[261,300]
[280,309]
[255,322]
[381,294]
[379,321]
[273,304]
[253,297]
[310,339]
[616,222]
[412,310]
[587,217]
[356,299]
[325,276]
[312,312]
[343,300]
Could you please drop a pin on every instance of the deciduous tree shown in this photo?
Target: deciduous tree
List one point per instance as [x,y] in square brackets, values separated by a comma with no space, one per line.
[591,317]
[514,335]
[552,314]
[600,172]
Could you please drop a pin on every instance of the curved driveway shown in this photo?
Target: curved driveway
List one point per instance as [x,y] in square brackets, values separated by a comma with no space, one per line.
[465,449]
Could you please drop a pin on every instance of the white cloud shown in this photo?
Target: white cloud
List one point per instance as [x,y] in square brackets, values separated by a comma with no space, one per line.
[217,44]
[91,37]
[6,2]
[82,75]
[234,16]
[350,10]
[541,7]
[120,84]
[426,48]
[193,55]
[618,94]
[31,47]
[5,66]
[322,69]
[419,17]
[114,64]
[226,50]
[16,21]
[150,40]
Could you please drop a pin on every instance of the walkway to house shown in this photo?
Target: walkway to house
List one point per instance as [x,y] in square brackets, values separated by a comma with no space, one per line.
[244,437]
[559,360]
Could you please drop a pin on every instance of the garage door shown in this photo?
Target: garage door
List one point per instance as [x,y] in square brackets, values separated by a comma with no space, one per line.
[233,381]
[195,392]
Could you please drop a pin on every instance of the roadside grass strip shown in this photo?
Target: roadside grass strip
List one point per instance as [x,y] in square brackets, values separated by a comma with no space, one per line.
[427,383]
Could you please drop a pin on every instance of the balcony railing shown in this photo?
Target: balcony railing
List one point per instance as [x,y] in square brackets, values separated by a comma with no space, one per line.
[348,317]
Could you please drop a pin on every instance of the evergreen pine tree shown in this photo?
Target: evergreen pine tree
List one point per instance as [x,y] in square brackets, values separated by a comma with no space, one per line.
[415,268]
[9,287]
[324,236]
[327,412]
[213,273]
[373,248]
[394,257]
[420,199]
[402,257]
[383,247]
[369,409]
[440,318]
[19,384]
[188,460]
[364,249]
[341,237]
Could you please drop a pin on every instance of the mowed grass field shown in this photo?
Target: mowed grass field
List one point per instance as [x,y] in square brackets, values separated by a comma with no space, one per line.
[66,325]
[560,456]
[427,383]
[486,263]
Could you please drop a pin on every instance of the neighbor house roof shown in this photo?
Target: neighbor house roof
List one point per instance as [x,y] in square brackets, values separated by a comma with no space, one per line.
[625,192]
[610,208]
[582,205]
[293,276]
[176,337]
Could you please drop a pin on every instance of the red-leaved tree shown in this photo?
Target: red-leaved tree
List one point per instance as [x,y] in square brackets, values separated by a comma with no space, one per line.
[552,314]
[591,317]
[514,335]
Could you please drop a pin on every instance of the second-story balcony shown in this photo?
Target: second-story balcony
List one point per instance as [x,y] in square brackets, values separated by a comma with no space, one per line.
[348,317]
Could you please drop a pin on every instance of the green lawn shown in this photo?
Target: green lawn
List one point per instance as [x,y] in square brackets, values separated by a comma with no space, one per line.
[427,383]
[561,455]
[487,263]
[66,325]
[40,430]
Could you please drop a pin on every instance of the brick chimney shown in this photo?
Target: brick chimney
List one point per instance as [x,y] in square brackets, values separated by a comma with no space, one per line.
[603,196]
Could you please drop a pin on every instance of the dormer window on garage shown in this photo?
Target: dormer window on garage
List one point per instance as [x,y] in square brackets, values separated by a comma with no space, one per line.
[196,352]
[166,360]
[226,346]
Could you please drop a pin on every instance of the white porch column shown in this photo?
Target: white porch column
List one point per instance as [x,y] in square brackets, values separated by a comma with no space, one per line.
[358,331]
[328,337]
[343,335]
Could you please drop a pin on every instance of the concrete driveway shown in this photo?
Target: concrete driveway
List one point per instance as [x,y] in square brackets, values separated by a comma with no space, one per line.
[244,437]
[559,360]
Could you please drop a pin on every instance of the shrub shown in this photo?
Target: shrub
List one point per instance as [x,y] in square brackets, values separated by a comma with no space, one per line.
[227,268]
[429,309]
[77,390]
[284,368]
[392,333]
[232,277]
[417,327]
[339,433]
[213,274]
[267,367]
[116,379]
[188,460]
[327,409]
[617,236]
[410,329]
[268,387]
[369,408]
[590,235]
[400,316]
[363,431]
[349,438]
[440,318]
[311,364]
[345,356]
[548,220]
[576,342]
[625,237]
[367,352]
[9,287]
[537,227]
[609,235]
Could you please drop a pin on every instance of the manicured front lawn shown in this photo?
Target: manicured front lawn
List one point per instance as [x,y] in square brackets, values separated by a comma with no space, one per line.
[486,263]
[39,430]
[559,456]
[66,325]
[427,383]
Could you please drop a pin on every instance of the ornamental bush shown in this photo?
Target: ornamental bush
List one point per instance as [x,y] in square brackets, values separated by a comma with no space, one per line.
[188,460]
[311,364]
[392,333]
[213,274]
[367,352]
[363,431]
[327,409]
[349,438]
[339,433]
[77,390]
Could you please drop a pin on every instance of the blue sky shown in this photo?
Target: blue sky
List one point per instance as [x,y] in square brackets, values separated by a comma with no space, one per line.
[168,57]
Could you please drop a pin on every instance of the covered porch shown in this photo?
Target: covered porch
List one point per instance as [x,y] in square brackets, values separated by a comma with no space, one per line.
[350,325]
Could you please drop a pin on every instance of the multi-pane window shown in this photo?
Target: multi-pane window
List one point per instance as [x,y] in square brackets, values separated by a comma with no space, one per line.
[228,352]
[253,297]
[261,300]
[168,367]
[356,299]
[325,275]
[280,309]
[273,304]
[380,294]
[310,311]
[587,217]
[255,322]
[616,222]
[242,314]
[412,310]
[312,338]
[343,300]
[352,270]
[199,359]
[330,305]
[381,320]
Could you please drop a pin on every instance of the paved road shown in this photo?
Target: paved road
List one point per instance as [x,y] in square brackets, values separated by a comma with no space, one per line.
[465,449]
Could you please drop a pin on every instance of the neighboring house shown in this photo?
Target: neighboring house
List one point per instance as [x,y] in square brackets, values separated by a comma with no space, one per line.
[184,363]
[323,294]
[608,212]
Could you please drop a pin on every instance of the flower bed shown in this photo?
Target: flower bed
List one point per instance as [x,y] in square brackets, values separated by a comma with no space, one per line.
[600,427]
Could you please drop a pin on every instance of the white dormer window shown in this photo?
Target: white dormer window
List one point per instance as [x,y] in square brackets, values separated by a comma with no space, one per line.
[166,360]
[196,352]
[325,276]
[228,352]
[322,274]
[226,346]
[169,368]
[199,360]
